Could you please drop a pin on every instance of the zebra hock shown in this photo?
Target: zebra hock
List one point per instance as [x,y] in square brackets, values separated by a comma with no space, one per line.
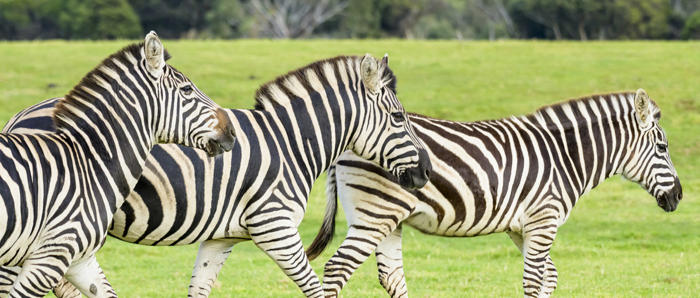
[301,123]
[519,175]
[60,189]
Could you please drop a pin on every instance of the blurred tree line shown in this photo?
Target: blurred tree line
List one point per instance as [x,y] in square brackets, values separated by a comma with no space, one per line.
[430,19]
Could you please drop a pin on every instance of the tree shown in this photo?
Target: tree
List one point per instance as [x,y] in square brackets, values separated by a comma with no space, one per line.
[692,27]
[226,19]
[294,18]
[28,19]
[496,13]
[114,19]
[361,19]
[173,18]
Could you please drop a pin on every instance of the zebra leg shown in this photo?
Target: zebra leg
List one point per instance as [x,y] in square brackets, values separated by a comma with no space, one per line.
[359,243]
[41,272]
[8,275]
[390,265]
[87,276]
[210,258]
[280,240]
[539,232]
[550,277]
[65,289]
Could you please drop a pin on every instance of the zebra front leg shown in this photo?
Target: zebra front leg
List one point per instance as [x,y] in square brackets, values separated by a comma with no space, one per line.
[390,265]
[210,258]
[280,240]
[8,275]
[539,232]
[87,276]
[550,278]
[41,271]
[65,289]
[359,243]
[550,274]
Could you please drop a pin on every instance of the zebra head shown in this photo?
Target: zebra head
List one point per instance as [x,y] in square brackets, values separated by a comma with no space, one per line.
[188,116]
[387,136]
[649,162]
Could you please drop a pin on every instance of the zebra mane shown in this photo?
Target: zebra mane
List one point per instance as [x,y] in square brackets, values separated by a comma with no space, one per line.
[266,94]
[607,97]
[90,80]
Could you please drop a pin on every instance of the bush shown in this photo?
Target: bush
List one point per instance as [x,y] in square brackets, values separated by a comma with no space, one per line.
[692,27]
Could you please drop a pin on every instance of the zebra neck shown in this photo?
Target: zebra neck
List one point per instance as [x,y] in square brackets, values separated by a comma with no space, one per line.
[591,139]
[112,134]
[315,133]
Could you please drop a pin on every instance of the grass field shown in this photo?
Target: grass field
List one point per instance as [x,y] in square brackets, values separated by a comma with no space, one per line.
[617,243]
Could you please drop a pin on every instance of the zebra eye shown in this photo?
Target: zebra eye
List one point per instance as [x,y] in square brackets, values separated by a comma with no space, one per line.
[398,116]
[187,89]
[661,148]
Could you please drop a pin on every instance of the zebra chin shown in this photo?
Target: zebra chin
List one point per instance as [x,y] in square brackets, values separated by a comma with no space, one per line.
[669,200]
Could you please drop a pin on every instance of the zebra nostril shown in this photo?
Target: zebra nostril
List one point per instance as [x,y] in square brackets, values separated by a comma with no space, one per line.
[427,173]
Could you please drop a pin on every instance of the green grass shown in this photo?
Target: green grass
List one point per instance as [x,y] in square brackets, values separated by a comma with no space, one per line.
[617,243]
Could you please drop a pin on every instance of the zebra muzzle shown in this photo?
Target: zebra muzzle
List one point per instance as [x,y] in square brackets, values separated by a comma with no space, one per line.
[669,200]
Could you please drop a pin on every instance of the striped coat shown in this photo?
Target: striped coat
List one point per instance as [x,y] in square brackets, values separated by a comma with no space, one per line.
[302,122]
[59,190]
[519,175]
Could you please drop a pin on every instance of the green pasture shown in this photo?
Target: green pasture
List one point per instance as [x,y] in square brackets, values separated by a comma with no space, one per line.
[617,243]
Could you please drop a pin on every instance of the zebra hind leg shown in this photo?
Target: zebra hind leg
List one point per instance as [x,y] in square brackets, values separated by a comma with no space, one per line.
[390,265]
[87,276]
[280,240]
[539,232]
[550,274]
[210,258]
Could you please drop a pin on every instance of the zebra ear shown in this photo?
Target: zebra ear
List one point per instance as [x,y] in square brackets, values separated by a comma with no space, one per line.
[369,69]
[155,54]
[385,59]
[641,108]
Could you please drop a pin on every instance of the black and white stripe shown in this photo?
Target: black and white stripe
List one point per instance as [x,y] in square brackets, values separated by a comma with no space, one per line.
[519,175]
[302,122]
[60,189]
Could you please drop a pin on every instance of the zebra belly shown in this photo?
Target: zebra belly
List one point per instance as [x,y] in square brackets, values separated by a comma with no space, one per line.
[429,218]
[185,197]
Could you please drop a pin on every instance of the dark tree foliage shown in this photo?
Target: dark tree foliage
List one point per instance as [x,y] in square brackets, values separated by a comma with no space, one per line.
[172,18]
[442,19]
[692,27]
[69,19]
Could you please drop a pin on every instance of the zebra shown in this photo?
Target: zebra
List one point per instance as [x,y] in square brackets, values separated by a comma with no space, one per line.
[519,175]
[60,189]
[301,122]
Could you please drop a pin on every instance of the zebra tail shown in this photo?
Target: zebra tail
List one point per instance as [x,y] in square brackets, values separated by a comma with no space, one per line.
[327,230]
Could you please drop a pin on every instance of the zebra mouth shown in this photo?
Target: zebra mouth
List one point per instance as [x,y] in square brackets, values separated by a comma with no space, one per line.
[669,200]
[218,146]
[414,178]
